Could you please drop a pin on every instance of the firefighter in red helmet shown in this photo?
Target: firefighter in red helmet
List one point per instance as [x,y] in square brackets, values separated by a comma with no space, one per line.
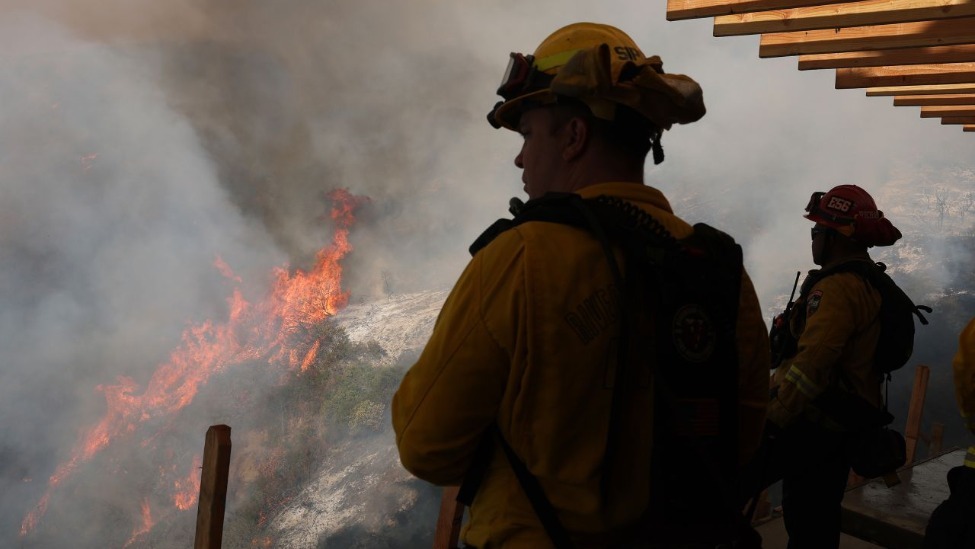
[826,389]
[526,391]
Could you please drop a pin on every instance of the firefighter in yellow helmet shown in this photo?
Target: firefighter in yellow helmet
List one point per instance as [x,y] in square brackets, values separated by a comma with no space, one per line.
[951,525]
[826,389]
[516,393]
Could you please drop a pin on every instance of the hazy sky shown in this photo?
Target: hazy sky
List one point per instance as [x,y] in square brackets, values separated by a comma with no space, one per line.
[140,140]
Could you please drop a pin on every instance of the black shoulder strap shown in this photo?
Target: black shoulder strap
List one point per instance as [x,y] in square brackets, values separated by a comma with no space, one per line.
[543,508]
[533,489]
[876,275]
[553,207]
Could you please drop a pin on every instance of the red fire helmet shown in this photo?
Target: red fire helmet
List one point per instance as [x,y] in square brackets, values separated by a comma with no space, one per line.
[851,211]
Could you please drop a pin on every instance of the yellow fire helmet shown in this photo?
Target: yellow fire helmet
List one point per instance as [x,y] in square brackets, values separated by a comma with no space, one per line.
[601,66]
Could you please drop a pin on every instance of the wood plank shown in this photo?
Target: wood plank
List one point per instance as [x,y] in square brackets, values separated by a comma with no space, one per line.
[871,37]
[920,90]
[938,112]
[905,75]
[853,14]
[963,53]
[934,100]
[949,120]
[213,488]
[937,439]
[915,410]
[447,534]
[695,9]
[969,128]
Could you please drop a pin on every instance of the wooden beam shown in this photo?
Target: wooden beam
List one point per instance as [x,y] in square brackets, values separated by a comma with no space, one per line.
[905,75]
[915,411]
[853,14]
[447,533]
[695,9]
[936,439]
[934,100]
[940,112]
[970,128]
[873,37]
[956,120]
[920,90]
[213,488]
[884,58]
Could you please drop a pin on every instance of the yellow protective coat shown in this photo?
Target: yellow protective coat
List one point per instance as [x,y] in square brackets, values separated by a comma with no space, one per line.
[839,333]
[525,339]
[964,372]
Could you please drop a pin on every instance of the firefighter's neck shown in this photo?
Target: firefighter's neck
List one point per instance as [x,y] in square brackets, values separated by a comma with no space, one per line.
[841,250]
[600,165]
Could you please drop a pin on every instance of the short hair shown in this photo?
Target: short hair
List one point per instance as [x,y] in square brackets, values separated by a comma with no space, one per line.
[629,132]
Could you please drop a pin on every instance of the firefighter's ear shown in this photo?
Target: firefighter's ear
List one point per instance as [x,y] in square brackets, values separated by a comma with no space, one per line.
[576,138]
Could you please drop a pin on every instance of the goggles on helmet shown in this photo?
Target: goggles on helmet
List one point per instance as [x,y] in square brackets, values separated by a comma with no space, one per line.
[520,78]
[516,76]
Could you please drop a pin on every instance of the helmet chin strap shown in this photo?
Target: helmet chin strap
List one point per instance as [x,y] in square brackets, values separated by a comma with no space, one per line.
[657,148]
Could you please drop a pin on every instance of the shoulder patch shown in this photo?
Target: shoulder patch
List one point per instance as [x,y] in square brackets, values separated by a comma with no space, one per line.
[812,302]
[693,332]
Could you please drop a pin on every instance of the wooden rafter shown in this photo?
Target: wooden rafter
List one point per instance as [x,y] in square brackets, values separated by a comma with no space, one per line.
[941,112]
[963,53]
[905,75]
[872,37]
[693,9]
[934,100]
[920,90]
[833,16]
[946,120]
[921,52]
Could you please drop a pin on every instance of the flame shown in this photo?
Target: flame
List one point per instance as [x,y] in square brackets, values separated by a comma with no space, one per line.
[187,489]
[147,524]
[252,331]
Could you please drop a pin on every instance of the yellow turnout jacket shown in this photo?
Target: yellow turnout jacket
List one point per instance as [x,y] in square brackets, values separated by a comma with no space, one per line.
[526,340]
[964,372]
[838,333]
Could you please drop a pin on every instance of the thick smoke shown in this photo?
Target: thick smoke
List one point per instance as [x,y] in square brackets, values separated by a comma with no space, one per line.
[141,140]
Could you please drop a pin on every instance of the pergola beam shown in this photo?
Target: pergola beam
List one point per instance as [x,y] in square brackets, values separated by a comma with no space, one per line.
[920,90]
[905,75]
[873,37]
[853,14]
[957,120]
[942,112]
[934,100]
[963,53]
[693,9]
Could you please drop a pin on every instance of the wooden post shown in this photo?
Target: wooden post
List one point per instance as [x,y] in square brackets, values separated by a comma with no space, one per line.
[213,488]
[763,508]
[913,429]
[451,516]
[937,437]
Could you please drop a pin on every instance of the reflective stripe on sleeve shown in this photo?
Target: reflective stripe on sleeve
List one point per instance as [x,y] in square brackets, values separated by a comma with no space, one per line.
[803,383]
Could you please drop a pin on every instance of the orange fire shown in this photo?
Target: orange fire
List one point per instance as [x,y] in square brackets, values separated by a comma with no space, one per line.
[147,524]
[187,489]
[252,331]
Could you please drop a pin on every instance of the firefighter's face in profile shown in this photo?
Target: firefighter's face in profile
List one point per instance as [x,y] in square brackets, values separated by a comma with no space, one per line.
[540,158]
[820,243]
